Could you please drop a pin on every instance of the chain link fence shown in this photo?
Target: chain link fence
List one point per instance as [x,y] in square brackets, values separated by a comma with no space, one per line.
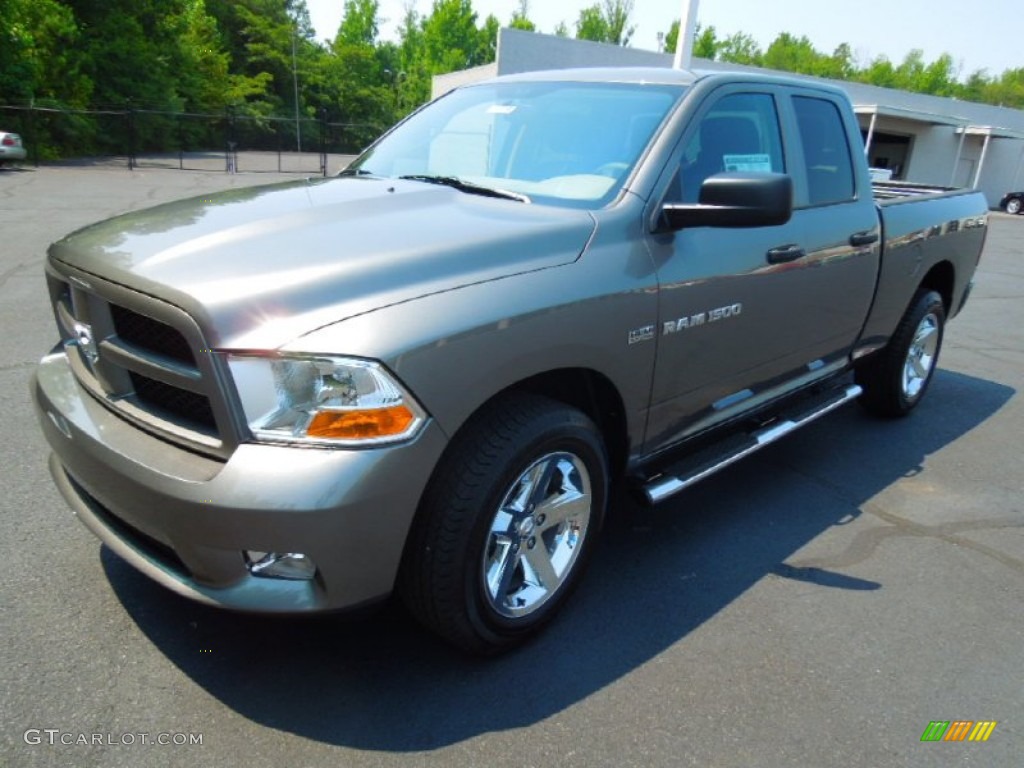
[142,138]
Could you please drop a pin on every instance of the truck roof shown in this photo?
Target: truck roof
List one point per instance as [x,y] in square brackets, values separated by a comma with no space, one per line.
[656,75]
[659,76]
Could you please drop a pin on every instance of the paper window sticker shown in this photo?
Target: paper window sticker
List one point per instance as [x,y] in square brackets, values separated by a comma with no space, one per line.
[760,163]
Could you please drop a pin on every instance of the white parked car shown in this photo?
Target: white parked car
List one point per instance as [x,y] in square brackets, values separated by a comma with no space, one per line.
[11,147]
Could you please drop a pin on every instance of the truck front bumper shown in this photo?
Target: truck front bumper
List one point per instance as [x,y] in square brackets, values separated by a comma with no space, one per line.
[186,520]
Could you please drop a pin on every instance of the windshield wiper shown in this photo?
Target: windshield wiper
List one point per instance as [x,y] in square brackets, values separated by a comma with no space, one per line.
[466,186]
[356,172]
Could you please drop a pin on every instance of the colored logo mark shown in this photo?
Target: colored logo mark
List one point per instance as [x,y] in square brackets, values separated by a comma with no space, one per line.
[958,730]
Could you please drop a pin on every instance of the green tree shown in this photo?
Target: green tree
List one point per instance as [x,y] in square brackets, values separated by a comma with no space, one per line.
[879,71]
[451,40]
[354,81]
[446,40]
[591,25]
[359,23]
[41,58]
[841,65]
[126,45]
[1008,89]
[939,78]
[671,39]
[521,18]
[487,41]
[617,13]
[793,54]
[413,74]
[705,41]
[204,82]
[606,23]
[259,36]
[740,48]
[910,71]
[975,87]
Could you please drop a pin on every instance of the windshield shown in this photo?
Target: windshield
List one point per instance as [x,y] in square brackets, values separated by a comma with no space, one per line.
[552,142]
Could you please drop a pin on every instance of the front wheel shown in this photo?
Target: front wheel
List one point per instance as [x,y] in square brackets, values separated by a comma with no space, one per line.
[1013,205]
[507,524]
[896,379]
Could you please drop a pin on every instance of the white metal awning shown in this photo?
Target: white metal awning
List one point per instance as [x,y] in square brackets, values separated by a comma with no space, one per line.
[961,125]
[910,115]
[987,132]
[913,115]
[991,130]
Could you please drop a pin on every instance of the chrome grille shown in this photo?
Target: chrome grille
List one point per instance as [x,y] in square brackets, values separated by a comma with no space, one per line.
[144,359]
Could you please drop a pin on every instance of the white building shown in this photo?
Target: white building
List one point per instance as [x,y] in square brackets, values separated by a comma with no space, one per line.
[926,139]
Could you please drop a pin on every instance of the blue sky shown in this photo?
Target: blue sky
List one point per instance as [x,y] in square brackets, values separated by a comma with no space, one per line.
[987,35]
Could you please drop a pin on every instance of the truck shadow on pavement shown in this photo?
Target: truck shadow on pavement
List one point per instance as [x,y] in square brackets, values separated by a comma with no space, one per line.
[379,682]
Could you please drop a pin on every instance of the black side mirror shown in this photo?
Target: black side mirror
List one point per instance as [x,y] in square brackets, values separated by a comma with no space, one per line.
[736,200]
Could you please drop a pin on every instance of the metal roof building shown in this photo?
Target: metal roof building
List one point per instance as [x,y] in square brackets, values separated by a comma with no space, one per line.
[920,138]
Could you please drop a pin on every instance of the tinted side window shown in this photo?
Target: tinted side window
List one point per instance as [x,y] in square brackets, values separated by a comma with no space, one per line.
[739,133]
[826,150]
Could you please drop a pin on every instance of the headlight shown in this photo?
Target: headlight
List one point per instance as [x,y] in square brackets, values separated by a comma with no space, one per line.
[323,400]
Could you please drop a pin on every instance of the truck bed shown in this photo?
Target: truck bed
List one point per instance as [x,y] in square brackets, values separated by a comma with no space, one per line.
[922,227]
[890,191]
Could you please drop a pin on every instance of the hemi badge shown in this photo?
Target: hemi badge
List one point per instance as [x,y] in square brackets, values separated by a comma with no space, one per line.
[641,334]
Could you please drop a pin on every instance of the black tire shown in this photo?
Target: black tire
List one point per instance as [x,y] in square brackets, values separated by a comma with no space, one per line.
[485,507]
[896,379]
[1013,205]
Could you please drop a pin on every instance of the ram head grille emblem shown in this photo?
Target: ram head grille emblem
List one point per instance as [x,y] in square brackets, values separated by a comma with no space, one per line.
[85,342]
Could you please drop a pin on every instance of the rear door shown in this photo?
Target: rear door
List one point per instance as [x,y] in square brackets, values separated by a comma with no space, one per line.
[746,314]
[838,217]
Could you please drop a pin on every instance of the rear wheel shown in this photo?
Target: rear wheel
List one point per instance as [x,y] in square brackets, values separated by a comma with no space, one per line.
[896,379]
[507,525]
[1013,205]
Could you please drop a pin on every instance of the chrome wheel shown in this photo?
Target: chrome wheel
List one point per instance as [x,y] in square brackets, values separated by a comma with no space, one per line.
[896,379]
[536,534]
[921,356]
[1013,206]
[508,523]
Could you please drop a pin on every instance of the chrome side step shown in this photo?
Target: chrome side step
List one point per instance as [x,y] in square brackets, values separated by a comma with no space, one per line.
[688,472]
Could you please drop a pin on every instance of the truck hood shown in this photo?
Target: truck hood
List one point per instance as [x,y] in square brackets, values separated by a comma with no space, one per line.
[261,266]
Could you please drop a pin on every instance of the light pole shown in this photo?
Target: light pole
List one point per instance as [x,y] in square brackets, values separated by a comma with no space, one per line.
[684,43]
[295,83]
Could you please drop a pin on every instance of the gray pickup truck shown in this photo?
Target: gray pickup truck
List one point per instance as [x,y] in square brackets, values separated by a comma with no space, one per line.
[422,376]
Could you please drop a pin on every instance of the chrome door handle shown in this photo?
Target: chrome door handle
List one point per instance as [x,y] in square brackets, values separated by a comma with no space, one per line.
[863,238]
[785,253]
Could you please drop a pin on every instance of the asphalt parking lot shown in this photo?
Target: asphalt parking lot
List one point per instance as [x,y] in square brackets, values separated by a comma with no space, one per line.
[818,604]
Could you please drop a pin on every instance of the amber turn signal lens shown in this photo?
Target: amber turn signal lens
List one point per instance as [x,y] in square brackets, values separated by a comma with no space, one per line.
[350,425]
